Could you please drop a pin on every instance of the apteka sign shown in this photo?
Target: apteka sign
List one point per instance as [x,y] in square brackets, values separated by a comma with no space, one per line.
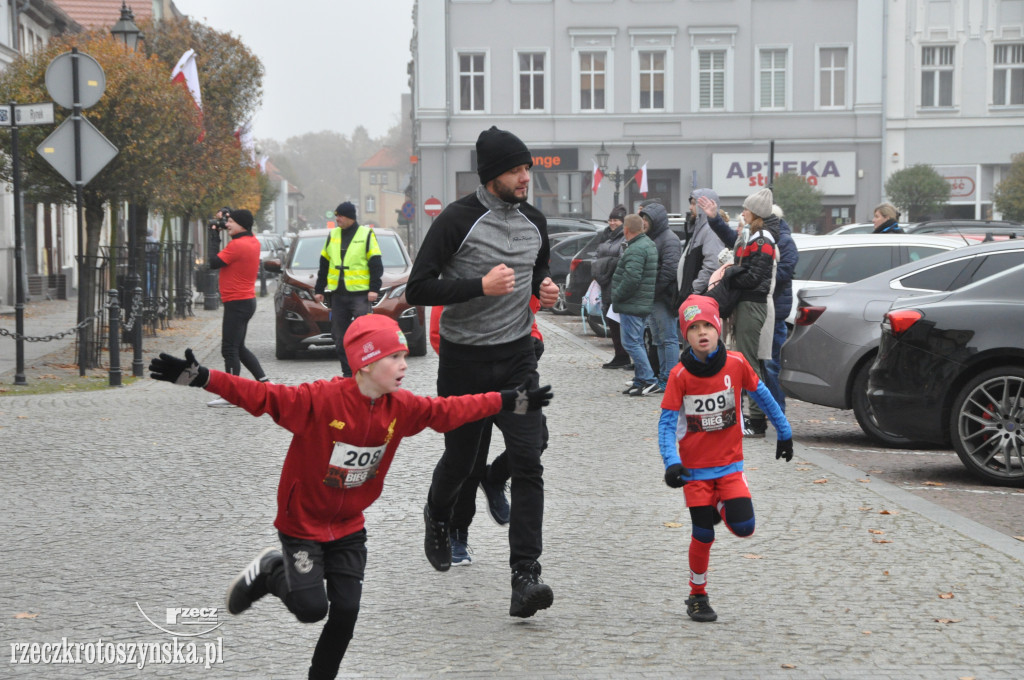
[740,174]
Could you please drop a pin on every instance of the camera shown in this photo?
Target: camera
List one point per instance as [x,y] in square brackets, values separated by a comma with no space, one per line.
[221,221]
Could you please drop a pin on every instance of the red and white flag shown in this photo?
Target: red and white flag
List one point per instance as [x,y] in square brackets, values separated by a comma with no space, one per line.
[598,176]
[186,72]
[243,136]
[641,180]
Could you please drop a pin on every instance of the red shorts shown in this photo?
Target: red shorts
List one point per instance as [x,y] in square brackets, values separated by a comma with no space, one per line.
[710,491]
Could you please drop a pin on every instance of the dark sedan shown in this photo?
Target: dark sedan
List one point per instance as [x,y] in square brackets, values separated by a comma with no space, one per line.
[564,247]
[950,370]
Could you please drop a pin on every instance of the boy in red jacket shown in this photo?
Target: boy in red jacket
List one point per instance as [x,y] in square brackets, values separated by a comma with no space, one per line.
[345,433]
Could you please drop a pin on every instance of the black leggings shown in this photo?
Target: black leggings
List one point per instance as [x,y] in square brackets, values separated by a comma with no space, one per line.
[232,345]
[738,514]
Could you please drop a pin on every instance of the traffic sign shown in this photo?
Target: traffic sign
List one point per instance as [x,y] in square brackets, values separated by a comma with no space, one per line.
[432,207]
[408,210]
[91,80]
[59,150]
[27,114]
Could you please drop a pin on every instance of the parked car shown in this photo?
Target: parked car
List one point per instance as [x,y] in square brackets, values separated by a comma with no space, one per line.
[302,322]
[856,228]
[827,356]
[827,260]
[561,225]
[950,370]
[272,246]
[564,247]
[1005,228]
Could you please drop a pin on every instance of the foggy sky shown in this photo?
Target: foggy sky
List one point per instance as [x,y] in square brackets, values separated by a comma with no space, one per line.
[330,64]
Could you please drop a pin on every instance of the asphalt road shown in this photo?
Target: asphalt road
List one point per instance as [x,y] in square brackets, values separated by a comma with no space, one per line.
[937,475]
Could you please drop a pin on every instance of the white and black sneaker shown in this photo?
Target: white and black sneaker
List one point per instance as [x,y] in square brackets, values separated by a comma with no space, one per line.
[755,428]
[220,402]
[251,583]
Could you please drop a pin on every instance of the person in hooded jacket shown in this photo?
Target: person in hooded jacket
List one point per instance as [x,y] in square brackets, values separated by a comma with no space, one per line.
[700,256]
[753,274]
[782,298]
[607,256]
[664,327]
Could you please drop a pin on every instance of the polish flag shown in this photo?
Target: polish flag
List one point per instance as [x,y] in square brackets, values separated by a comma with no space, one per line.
[598,176]
[641,180]
[185,72]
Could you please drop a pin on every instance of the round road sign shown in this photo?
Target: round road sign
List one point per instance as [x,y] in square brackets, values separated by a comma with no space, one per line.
[432,206]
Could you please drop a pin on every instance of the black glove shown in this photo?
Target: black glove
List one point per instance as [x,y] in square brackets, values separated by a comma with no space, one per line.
[185,371]
[784,449]
[523,399]
[674,475]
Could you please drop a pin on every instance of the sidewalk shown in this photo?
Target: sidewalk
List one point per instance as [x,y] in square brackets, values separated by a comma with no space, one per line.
[121,504]
[41,319]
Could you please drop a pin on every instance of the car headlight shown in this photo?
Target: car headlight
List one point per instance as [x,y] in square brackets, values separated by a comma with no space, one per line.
[301,293]
[398,291]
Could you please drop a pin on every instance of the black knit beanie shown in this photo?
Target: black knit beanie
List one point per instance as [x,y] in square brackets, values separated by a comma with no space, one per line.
[618,213]
[346,209]
[498,151]
[243,218]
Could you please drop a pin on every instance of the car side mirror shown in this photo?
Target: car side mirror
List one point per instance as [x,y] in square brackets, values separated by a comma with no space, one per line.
[272,265]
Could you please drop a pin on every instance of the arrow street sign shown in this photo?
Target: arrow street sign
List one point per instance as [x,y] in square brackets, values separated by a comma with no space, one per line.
[59,150]
[27,114]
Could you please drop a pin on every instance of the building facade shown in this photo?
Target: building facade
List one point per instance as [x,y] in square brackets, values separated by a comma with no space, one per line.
[700,87]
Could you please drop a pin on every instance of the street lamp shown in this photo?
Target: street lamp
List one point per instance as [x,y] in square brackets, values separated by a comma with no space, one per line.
[125,29]
[127,32]
[632,158]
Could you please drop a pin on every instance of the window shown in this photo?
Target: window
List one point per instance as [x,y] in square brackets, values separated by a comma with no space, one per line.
[371,204]
[939,277]
[471,82]
[711,74]
[652,80]
[1008,77]
[530,79]
[373,178]
[382,179]
[915,253]
[997,263]
[772,78]
[936,76]
[832,77]
[853,264]
[592,80]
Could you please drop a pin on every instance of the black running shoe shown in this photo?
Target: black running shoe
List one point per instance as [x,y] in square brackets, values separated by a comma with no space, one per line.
[497,504]
[699,609]
[754,428]
[437,542]
[529,593]
[251,584]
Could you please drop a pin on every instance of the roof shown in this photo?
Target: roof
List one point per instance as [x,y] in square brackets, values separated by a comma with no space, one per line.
[385,158]
[103,14]
[275,174]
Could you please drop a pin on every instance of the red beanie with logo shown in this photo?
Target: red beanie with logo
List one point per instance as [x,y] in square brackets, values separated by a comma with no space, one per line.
[699,308]
[372,337]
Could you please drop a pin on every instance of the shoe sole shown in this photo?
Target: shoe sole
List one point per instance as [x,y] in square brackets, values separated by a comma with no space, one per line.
[542,599]
[241,577]
[463,563]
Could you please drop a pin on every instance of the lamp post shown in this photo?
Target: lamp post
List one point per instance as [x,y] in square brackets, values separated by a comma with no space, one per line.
[125,31]
[632,158]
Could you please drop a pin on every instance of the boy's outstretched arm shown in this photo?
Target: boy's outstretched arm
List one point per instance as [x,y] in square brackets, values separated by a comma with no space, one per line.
[669,448]
[764,399]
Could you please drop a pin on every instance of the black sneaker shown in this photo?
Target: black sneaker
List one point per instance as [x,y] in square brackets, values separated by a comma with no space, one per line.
[754,428]
[617,363]
[529,593]
[497,503]
[699,609]
[437,542]
[251,584]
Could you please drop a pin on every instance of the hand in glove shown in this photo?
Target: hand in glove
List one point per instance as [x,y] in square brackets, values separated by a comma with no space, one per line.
[185,371]
[674,475]
[523,399]
[784,449]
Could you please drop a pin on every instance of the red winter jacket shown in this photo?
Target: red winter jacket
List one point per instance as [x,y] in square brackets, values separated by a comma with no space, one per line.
[342,443]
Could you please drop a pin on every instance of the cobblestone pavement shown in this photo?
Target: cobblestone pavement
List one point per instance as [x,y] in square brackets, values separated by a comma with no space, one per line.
[120,503]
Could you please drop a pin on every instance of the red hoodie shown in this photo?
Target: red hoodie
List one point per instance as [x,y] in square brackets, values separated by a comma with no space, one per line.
[342,444]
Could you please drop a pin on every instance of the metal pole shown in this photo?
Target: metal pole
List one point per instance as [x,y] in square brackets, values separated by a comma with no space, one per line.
[76,118]
[771,165]
[618,182]
[115,339]
[19,259]
[136,291]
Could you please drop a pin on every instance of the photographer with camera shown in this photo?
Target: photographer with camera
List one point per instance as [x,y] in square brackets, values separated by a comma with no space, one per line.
[238,264]
[350,275]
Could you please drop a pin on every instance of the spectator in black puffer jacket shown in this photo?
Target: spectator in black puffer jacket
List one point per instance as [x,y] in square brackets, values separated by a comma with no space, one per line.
[607,256]
[752,273]
[664,322]
[783,298]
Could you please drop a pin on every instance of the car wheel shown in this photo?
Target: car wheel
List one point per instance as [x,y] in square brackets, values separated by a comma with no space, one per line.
[866,416]
[598,326]
[283,350]
[986,425]
[652,351]
[560,306]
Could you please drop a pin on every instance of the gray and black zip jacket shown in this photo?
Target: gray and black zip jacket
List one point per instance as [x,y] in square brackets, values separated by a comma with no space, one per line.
[468,239]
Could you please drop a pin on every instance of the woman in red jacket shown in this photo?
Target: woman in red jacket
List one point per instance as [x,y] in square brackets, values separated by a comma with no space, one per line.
[345,433]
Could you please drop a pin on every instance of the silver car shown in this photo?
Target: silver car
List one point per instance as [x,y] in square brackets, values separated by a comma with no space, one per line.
[834,342]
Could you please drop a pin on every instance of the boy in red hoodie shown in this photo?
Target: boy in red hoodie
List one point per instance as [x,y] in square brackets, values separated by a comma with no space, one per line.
[345,433]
